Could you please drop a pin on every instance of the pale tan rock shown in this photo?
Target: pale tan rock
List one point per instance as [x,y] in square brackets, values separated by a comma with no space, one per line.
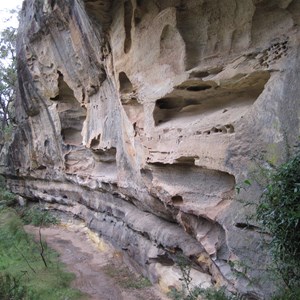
[141,116]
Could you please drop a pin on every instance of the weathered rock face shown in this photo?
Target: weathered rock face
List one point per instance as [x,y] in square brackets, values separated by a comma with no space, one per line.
[140,117]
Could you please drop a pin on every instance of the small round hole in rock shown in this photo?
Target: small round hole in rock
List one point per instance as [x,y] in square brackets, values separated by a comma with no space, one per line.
[177,200]
[56,98]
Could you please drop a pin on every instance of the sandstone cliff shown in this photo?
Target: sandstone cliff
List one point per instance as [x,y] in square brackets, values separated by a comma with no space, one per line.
[141,116]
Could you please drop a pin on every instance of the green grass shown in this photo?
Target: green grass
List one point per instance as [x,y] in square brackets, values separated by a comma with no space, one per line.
[22,271]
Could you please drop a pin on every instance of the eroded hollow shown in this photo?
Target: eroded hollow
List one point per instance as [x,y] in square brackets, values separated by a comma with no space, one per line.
[186,160]
[125,84]
[140,11]
[99,11]
[177,200]
[200,102]
[71,114]
[71,136]
[169,103]
[199,74]
[172,48]
[95,142]
[105,155]
[202,74]
[165,108]
[128,12]
[197,88]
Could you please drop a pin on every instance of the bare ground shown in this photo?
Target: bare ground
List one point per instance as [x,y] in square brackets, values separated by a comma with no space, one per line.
[100,273]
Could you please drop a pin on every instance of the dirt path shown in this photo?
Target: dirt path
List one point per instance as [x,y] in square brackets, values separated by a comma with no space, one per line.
[83,257]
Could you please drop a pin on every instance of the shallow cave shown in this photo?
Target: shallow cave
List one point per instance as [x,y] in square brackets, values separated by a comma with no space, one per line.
[71,114]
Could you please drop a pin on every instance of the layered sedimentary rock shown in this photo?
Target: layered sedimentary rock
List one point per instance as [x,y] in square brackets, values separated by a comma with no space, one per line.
[141,116]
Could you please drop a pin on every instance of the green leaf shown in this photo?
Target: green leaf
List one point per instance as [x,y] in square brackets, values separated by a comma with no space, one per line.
[248,182]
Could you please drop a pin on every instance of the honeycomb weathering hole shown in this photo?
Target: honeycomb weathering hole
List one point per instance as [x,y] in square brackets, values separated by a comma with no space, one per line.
[56,98]
[177,200]
[197,88]
[168,103]
[71,136]
[95,142]
[199,74]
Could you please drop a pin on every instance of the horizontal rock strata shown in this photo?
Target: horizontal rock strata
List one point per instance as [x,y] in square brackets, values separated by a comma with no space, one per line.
[141,116]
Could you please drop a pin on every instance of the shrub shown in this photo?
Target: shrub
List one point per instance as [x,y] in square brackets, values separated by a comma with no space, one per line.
[288,295]
[279,212]
[189,292]
[6,197]
[38,217]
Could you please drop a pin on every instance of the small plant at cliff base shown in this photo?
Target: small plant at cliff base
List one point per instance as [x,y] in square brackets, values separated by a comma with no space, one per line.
[203,294]
[185,268]
[36,216]
[243,186]
[192,293]
[279,212]
[6,198]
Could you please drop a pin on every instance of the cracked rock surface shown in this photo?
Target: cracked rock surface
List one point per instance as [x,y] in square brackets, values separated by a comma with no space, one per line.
[141,116]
